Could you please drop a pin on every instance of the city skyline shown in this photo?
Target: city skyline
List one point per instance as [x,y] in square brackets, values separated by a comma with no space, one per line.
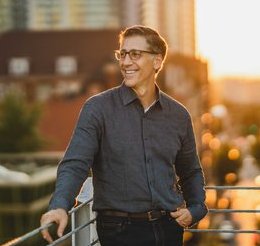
[225,34]
[173,18]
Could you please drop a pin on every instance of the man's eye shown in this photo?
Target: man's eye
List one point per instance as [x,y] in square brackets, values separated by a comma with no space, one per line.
[135,54]
[122,54]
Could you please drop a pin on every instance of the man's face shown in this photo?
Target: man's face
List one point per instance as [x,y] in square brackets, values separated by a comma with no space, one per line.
[141,71]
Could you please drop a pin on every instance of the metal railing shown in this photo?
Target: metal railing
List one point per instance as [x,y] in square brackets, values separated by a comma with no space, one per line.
[23,238]
[89,240]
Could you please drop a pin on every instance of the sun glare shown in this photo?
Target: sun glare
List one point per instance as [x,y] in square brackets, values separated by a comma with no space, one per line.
[228,36]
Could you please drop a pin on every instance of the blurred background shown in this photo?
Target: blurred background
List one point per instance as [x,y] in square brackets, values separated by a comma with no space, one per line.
[54,54]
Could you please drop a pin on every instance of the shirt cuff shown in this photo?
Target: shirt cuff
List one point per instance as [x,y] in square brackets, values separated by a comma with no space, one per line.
[198,212]
[59,203]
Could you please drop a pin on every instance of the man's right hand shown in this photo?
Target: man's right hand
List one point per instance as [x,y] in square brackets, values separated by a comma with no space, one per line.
[60,217]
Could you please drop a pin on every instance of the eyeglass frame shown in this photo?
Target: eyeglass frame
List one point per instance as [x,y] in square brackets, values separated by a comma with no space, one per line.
[118,52]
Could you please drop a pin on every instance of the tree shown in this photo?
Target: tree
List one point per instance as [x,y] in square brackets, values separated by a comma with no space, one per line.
[255,150]
[227,162]
[18,125]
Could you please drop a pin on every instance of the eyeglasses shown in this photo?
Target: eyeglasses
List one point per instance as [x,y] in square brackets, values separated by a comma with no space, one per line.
[133,54]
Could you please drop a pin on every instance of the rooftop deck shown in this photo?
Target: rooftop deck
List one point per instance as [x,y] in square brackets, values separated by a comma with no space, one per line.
[83,232]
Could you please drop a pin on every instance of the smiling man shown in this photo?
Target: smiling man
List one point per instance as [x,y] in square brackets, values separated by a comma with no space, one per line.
[139,142]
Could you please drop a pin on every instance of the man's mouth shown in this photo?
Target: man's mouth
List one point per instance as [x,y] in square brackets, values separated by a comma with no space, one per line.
[130,71]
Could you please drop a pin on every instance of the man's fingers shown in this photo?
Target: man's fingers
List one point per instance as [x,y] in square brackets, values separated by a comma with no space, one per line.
[62,225]
[175,214]
[46,235]
[182,216]
[60,217]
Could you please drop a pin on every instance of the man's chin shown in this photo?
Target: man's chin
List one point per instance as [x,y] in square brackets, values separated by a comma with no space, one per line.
[129,83]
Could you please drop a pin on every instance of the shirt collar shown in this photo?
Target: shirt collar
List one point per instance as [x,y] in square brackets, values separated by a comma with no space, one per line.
[128,95]
[161,98]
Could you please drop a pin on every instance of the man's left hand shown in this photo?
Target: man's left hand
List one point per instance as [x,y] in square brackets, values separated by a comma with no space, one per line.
[183,217]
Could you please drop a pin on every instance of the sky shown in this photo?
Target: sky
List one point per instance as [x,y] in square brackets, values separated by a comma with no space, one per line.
[228,36]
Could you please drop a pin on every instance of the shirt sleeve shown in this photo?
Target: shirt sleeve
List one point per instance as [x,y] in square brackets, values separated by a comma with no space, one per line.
[79,156]
[191,177]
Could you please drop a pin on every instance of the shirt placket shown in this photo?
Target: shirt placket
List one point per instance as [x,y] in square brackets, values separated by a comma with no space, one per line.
[148,155]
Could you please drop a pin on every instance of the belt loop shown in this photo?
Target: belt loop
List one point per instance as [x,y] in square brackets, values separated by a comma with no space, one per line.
[150,216]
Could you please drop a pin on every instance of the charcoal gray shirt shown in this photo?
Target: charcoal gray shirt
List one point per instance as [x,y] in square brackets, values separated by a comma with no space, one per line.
[136,157]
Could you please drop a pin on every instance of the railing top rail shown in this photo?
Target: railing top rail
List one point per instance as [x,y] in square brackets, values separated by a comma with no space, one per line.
[212,187]
[64,237]
[80,205]
[26,236]
[234,210]
[224,231]
[34,232]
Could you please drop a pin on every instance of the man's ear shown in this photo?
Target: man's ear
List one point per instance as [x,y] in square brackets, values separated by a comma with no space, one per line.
[157,62]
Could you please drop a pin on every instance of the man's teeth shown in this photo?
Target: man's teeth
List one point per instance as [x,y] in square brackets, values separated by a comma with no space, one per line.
[129,71]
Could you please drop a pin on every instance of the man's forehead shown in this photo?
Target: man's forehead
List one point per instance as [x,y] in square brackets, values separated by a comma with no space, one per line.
[134,42]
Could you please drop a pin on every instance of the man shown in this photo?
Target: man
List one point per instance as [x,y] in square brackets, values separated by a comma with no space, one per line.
[148,182]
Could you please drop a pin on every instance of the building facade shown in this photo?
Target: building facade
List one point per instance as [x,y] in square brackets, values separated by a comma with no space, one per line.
[174,18]
[176,21]
[65,44]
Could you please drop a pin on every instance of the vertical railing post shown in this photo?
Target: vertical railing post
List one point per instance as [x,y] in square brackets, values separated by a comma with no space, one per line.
[81,217]
[73,226]
[84,214]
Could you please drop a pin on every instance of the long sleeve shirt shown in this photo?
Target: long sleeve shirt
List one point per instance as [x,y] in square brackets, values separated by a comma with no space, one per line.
[140,160]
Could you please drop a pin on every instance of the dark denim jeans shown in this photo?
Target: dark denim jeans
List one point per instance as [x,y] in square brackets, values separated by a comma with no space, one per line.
[116,231]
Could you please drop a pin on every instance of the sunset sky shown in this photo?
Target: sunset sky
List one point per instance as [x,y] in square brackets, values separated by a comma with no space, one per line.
[228,36]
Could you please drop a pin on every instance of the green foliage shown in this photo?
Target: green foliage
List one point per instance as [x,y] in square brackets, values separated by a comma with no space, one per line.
[255,150]
[18,125]
[223,165]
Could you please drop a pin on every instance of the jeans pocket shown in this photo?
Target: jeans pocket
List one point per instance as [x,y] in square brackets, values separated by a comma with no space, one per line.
[109,229]
[174,223]
[112,225]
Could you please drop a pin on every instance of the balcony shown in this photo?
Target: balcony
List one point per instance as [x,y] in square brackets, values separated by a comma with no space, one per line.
[82,230]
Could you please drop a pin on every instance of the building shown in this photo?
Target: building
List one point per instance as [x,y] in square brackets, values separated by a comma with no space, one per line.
[244,91]
[57,73]
[59,14]
[241,98]
[176,21]
[73,14]
[174,18]
[6,21]
[63,44]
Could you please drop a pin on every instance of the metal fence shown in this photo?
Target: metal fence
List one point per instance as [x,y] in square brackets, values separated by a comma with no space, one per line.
[89,237]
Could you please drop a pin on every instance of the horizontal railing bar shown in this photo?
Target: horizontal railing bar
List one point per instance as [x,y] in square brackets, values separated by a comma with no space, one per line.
[232,187]
[26,236]
[80,205]
[234,211]
[64,237]
[222,231]
[30,234]
[94,242]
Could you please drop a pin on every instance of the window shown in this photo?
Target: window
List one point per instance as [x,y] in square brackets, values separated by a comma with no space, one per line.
[19,66]
[66,65]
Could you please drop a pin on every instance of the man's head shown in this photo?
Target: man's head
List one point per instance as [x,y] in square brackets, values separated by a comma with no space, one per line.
[156,42]
[141,55]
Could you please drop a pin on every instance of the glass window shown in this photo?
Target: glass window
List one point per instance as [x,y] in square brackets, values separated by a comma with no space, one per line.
[19,66]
